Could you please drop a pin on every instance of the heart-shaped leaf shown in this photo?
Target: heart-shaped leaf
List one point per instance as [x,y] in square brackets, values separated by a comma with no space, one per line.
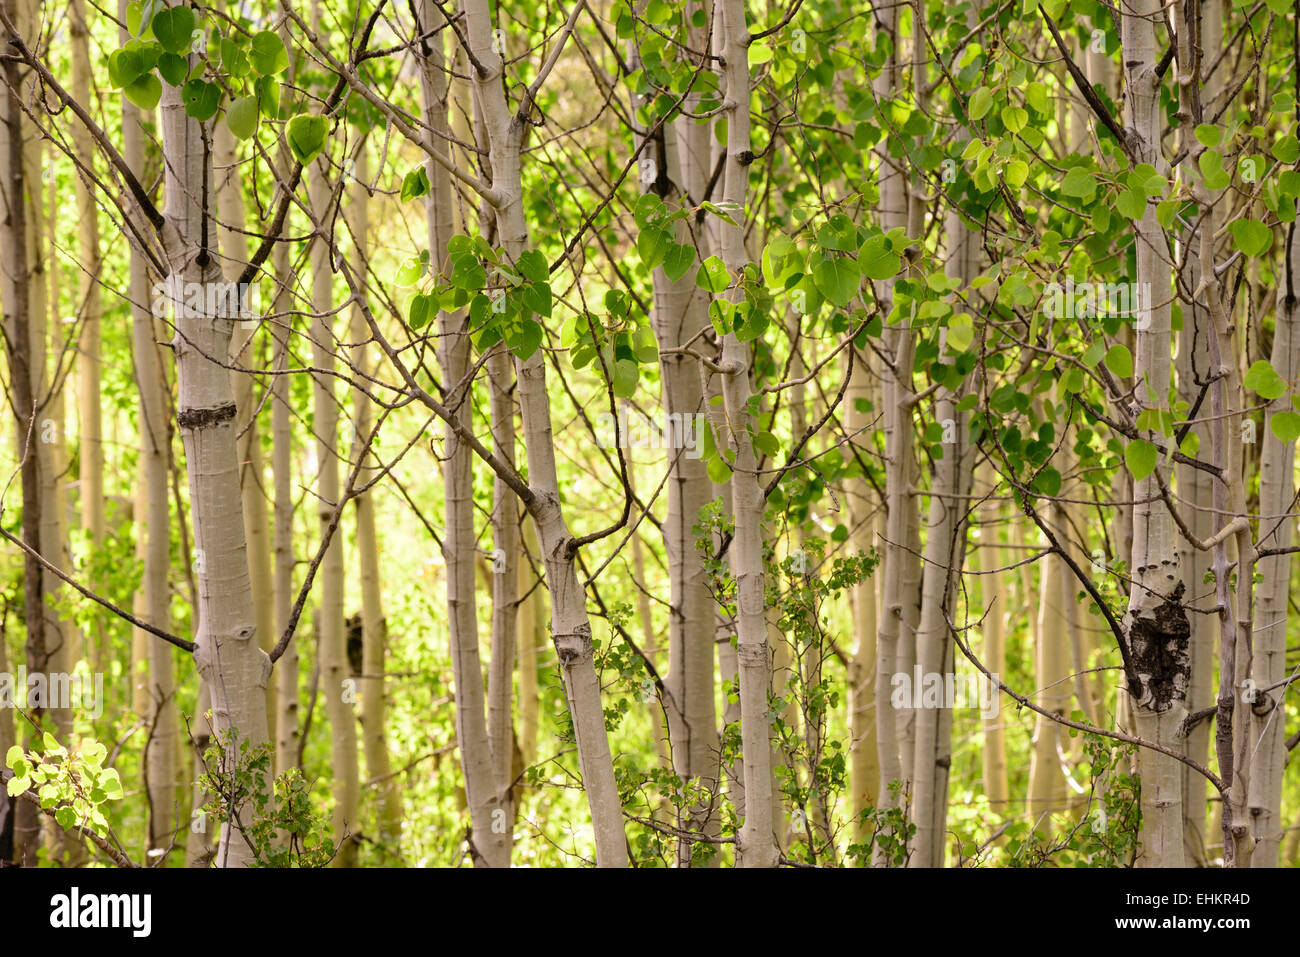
[174,28]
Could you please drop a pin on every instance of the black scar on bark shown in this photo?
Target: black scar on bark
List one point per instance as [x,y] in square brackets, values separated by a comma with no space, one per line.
[1157,649]
[198,418]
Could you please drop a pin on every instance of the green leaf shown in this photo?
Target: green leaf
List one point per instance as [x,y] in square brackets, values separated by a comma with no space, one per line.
[112,784]
[839,234]
[1140,457]
[1015,118]
[66,817]
[241,117]
[1251,236]
[1048,482]
[1286,426]
[652,245]
[836,278]
[677,261]
[1132,203]
[1209,135]
[980,103]
[268,54]
[415,184]
[268,97]
[174,69]
[1287,149]
[1212,171]
[15,753]
[877,261]
[960,334]
[766,443]
[644,346]
[1263,380]
[532,266]
[144,91]
[421,310]
[201,99]
[234,58]
[1119,361]
[626,373]
[174,28]
[306,134]
[94,753]
[1079,182]
[17,785]
[527,341]
[712,275]
[719,471]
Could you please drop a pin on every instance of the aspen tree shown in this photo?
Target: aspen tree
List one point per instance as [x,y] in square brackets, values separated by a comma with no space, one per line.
[570,627]
[153,518]
[227,655]
[15,276]
[896,392]
[337,687]
[89,359]
[234,243]
[490,846]
[671,168]
[1192,367]
[1155,625]
[1273,593]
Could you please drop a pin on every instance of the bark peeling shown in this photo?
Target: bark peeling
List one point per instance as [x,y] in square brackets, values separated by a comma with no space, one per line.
[1159,668]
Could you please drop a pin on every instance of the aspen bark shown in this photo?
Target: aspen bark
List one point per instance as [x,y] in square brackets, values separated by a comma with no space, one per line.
[1192,363]
[91,467]
[228,656]
[153,522]
[337,687]
[505,584]
[15,289]
[1273,593]
[257,532]
[864,759]
[1155,625]
[374,626]
[490,846]
[896,392]
[570,627]
[757,843]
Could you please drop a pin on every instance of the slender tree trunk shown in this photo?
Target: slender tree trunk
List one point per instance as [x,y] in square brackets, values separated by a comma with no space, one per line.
[532,640]
[228,656]
[153,522]
[1156,627]
[16,279]
[91,466]
[757,842]
[570,627]
[287,733]
[252,480]
[1193,369]
[1273,593]
[490,846]
[337,687]
[996,601]
[374,626]
[864,758]
[505,585]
